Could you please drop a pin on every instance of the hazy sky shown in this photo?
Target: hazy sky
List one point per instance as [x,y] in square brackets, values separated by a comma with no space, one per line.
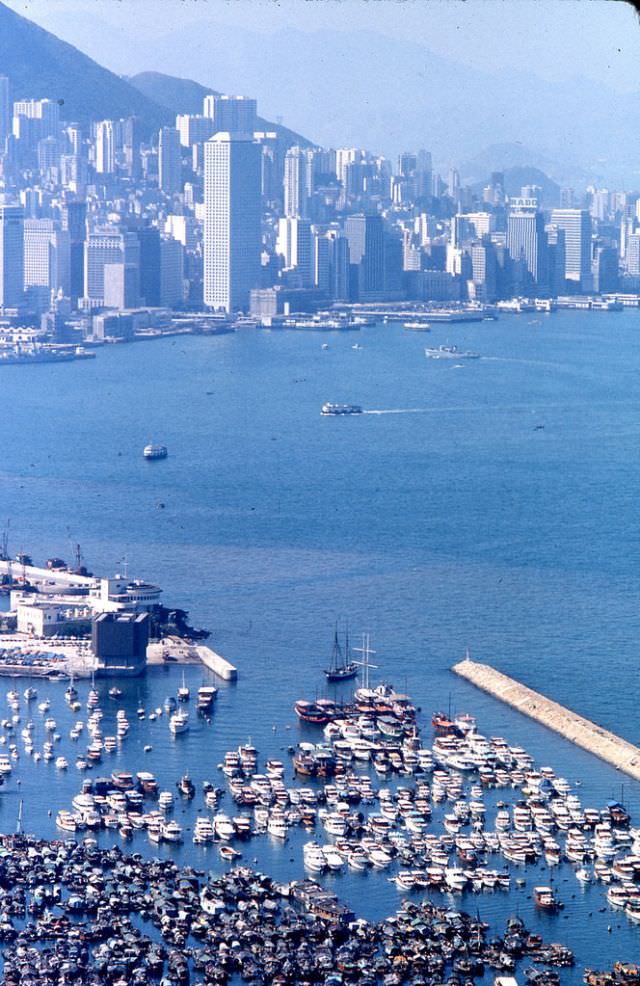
[556,39]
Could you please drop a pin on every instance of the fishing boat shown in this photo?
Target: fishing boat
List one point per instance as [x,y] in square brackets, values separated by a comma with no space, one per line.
[341,668]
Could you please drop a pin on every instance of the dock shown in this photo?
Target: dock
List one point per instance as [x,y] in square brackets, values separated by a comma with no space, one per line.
[181,651]
[595,739]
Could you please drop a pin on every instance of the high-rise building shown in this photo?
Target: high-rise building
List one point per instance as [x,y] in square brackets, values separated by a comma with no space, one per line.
[366,250]
[11,255]
[74,216]
[46,261]
[194,129]
[105,159]
[171,273]
[576,224]
[294,243]
[5,111]
[526,242]
[101,249]
[45,111]
[121,285]
[131,138]
[233,216]
[297,167]
[169,161]
[231,114]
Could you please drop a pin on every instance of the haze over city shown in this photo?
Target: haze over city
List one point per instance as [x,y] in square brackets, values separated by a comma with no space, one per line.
[319,483]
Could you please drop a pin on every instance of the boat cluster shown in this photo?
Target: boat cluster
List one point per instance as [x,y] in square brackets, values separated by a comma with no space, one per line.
[72,913]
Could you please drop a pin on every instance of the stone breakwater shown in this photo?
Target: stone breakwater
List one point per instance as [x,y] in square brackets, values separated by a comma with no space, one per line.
[591,737]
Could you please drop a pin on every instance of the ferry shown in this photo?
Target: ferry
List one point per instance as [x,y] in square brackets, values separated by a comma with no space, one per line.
[544,897]
[155,452]
[417,326]
[340,409]
[450,352]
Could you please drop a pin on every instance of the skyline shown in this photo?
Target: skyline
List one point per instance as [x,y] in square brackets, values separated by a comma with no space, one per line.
[566,98]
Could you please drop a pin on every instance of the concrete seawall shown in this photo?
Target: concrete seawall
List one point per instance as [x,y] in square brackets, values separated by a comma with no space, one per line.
[591,737]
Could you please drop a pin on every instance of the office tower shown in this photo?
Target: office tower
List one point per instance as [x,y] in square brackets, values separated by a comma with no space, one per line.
[182,228]
[105,148]
[605,273]
[632,255]
[74,216]
[576,224]
[171,273]
[453,184]
[194,129]
[556,260]
[48,155]
[5,111]
[169,161]
[11,254]
[298,171]
[232,224]
[121,286]
[366,250]
[46,261]
[149,238]
[526,242]
[131,139]
[44,112]
[483,266]
[103,248]
[567,198]
[231,114]
[294,243]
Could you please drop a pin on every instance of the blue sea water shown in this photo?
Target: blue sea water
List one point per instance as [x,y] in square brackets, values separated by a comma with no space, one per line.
[490,504]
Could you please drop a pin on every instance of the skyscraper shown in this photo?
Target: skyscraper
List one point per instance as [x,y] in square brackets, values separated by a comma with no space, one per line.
[11,255]
[526,242]
[232,225]
[105,160]
[74,215]
[366,249]
[576,224]
[46,261]
[296,183]
[169,161]
[295,245]
[231,114]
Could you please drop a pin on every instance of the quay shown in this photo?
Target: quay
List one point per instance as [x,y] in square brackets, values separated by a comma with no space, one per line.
[183,652]
[591,737]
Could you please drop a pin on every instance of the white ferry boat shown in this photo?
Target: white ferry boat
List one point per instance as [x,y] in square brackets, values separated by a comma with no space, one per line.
[155,452]
[450,352]
[337,409]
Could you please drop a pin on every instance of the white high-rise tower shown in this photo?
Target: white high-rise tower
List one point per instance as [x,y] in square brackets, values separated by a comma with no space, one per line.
[233,215]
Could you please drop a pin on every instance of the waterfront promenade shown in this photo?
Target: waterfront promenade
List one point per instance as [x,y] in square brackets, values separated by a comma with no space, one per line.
[591,737]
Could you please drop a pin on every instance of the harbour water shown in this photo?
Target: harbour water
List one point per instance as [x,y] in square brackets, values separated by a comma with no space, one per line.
[489,505]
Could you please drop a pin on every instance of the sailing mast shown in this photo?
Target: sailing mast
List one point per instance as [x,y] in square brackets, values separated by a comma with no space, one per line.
[366,652]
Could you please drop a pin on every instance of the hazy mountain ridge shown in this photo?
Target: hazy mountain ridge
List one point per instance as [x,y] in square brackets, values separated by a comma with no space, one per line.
[186,96]
[40,65]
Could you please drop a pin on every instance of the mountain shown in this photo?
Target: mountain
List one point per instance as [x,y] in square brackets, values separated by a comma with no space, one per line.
[40,65]
[186,96]
[363,89]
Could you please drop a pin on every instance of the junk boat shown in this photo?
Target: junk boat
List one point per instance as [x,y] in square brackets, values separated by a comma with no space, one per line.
[341,668]
[450,352]
[155,452]
[338,409]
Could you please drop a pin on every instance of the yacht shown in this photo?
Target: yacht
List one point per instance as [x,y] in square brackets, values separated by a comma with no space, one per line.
[183,691]
[339,409]
[179,722]
[203,831]
[171,831]
[30,694]
[155,451]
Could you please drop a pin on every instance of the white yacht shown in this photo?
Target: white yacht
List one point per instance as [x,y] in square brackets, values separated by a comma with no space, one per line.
[179,722]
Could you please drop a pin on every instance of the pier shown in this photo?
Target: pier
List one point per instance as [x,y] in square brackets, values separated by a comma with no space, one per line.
[591,737]
[183,652]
